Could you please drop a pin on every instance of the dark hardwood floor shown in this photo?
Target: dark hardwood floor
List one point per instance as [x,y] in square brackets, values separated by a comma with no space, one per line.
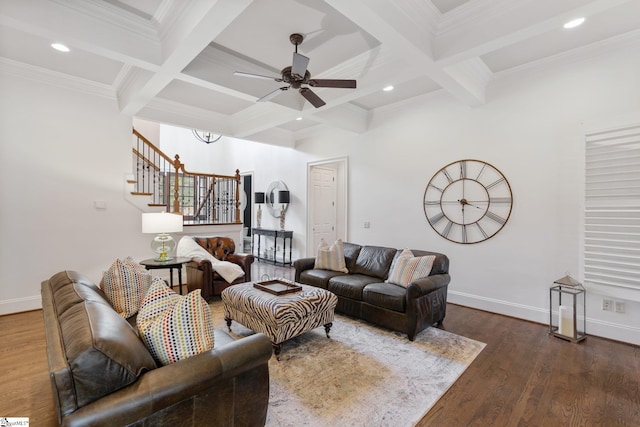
[523,377]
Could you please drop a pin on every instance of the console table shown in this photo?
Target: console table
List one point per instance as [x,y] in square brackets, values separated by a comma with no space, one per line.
[275,234]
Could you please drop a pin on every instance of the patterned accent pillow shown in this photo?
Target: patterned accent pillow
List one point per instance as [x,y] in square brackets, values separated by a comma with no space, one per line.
[331,257]
[172,326]
[408,268]
[125,284]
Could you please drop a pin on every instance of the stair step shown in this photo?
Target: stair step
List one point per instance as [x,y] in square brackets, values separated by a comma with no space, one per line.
[132,181]
[156,205]
[141,194]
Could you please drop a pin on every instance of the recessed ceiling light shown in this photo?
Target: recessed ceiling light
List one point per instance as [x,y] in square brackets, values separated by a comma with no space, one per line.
[388,88]
[298,118]
[60,47]
[574,23]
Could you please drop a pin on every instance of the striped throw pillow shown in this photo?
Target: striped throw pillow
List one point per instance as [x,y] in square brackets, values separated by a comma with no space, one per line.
[408,268]
[125,284]
[172,326]
[331,257]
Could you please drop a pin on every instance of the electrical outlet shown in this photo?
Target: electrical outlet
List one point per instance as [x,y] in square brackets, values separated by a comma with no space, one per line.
[619,305]
[607,304]
[367,224]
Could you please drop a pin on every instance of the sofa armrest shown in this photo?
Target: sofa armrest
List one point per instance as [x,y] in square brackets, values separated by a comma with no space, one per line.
[244,261]
[426,285]
[186,379]
[303,264]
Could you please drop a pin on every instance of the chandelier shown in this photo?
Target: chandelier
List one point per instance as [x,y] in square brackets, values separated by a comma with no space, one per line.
[206,136]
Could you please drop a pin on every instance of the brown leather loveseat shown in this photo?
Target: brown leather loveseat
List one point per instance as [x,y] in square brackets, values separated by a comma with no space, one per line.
[363,293]
[103,375]
[201,275]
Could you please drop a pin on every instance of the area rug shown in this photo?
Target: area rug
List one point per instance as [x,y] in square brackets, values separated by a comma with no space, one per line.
[362,376]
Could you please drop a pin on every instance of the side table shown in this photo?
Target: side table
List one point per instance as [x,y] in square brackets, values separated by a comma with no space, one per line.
[152,264]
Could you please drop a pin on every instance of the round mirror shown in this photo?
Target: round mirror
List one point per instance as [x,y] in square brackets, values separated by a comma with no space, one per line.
[271,200]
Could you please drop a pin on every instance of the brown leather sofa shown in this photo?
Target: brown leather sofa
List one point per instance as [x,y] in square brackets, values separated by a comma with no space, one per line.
[200,273]
[103,375]
[363,292]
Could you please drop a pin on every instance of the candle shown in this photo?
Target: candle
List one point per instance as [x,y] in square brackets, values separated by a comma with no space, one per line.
[565,326]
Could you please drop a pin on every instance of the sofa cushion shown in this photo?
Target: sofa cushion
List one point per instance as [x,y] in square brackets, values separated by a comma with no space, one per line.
[125,284]
[70,288]
[331,257]
[408,268]
[318,278]
[350,285]
[386,295]
[374,261]
[173,326]
[103,351]
[351,251]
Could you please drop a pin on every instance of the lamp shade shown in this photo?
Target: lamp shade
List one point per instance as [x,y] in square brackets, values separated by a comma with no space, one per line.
[283,196]
[154,223]
[259,198]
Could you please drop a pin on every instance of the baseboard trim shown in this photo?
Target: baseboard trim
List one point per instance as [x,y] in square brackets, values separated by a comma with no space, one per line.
[18,305]
[596,327]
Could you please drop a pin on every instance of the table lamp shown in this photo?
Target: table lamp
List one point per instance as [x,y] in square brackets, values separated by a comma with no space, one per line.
[283,198]
[162,223]
[259,199]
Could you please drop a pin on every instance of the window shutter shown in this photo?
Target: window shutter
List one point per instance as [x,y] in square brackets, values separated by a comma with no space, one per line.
[612,209]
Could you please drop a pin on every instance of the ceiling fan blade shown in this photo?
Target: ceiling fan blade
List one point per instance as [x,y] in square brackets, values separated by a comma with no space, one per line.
[345,84]
[299,65]
[273,94]
[310,96]
[256,76]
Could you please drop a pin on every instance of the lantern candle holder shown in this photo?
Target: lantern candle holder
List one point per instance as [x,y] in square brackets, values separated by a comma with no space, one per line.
[567,317]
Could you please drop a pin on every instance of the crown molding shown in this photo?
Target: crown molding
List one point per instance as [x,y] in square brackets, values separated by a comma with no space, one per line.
[114,16]
[55,78]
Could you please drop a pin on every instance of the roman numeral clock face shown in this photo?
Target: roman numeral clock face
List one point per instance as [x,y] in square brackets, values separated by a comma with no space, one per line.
[468,201]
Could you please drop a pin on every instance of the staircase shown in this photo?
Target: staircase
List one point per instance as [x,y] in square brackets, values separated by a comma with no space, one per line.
[159,183]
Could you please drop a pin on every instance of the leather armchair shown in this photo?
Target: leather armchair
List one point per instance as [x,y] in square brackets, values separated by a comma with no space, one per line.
[200,273]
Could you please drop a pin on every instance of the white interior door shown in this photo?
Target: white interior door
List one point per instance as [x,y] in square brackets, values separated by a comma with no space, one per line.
[323,205]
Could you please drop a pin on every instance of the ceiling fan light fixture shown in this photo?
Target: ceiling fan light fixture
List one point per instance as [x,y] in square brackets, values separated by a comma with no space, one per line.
[574,23]
[298,77]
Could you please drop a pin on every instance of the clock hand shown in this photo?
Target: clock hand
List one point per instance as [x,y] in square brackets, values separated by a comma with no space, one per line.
[464,202]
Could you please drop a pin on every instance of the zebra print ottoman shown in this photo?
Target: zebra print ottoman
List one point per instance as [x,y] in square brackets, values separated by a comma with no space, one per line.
[280,317]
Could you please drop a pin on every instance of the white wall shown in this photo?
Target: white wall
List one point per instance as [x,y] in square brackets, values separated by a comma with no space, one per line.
[534,134]
[63,150]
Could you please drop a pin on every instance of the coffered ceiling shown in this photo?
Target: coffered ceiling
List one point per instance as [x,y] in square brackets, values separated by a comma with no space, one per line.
[173,61]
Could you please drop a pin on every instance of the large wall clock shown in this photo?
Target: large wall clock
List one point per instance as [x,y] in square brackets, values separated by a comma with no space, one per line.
[468,201]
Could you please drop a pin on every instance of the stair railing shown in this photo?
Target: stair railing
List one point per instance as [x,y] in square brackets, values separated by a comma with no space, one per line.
[202,198]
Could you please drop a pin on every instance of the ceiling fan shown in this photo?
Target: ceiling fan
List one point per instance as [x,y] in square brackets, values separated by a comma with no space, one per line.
[297,75]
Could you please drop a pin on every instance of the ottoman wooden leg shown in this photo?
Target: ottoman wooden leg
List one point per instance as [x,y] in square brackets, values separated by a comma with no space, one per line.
[327,328]
[228,320]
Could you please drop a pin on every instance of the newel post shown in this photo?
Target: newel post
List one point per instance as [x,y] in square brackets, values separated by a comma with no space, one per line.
[176,187]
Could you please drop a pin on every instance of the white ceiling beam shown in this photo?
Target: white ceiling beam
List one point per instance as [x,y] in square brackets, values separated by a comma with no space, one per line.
[397,32]
[200,24]
[475,32]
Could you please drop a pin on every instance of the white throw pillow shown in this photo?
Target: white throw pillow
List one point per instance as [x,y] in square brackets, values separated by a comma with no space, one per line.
[331,257]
